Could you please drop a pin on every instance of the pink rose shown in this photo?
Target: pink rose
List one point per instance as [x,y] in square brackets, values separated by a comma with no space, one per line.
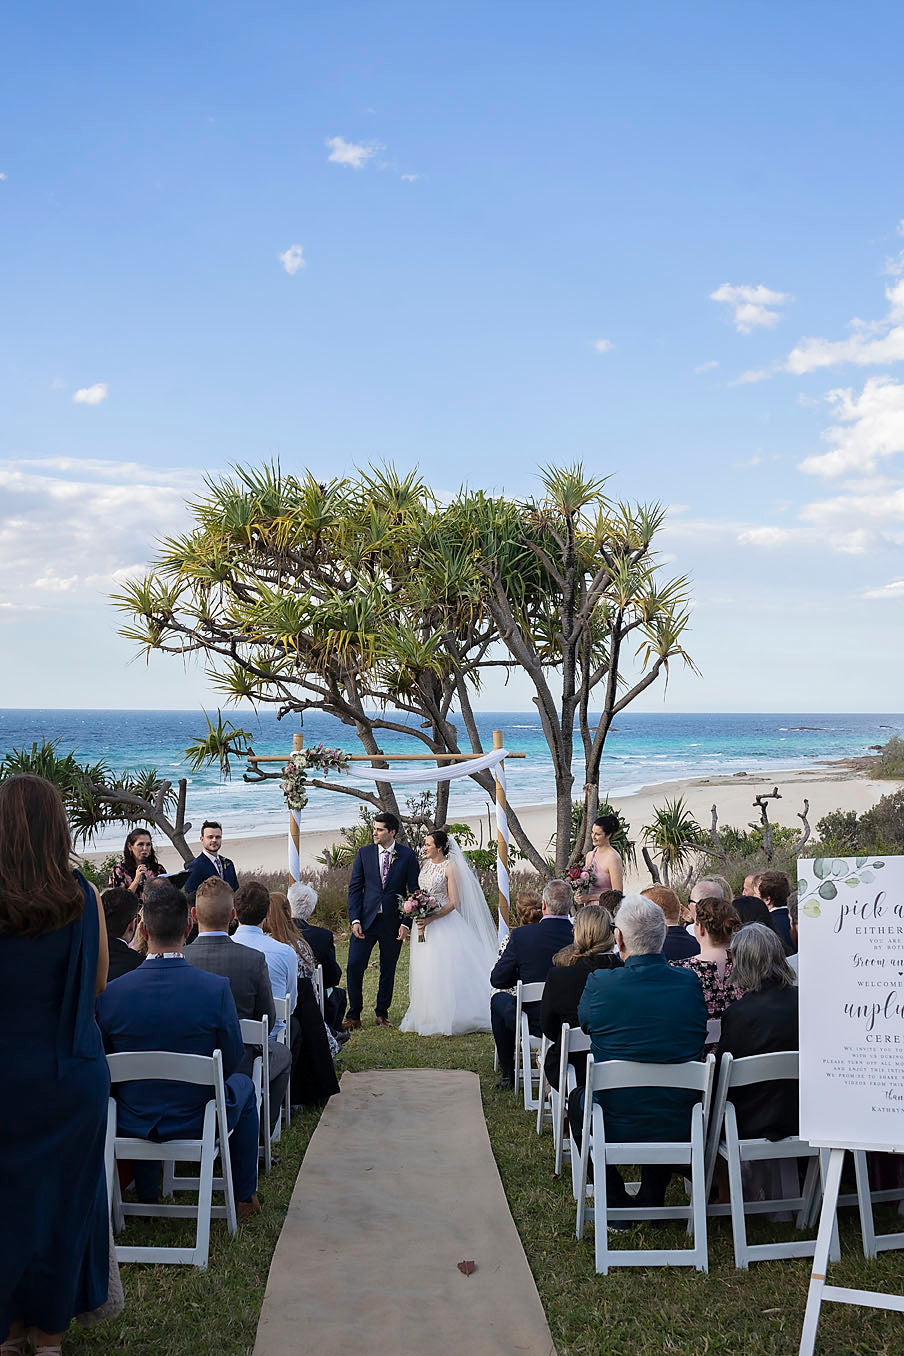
[408,906]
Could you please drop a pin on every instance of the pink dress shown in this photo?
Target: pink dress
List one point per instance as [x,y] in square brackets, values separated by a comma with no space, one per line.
[599,879]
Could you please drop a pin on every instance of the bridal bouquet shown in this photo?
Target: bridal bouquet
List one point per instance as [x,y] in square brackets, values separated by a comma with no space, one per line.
[580,880]
[417,908]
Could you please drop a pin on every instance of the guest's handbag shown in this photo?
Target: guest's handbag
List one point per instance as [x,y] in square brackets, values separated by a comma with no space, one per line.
[115,1302]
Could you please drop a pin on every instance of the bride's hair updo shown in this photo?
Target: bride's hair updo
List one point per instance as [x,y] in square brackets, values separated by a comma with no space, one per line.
[441,839]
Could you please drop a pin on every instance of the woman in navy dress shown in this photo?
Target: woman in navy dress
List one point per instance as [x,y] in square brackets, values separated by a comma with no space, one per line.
[54,1243]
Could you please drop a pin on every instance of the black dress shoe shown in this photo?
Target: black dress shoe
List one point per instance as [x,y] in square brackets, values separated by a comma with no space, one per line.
[505,1084]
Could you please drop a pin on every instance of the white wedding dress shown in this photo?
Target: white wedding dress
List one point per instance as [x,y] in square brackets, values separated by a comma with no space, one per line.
[449,975]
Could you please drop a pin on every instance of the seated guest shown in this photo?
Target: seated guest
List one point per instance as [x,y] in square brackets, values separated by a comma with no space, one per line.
[774,888]
[246,970]
[139,863]
[751,880]
[313,1076]
[651,1012]
[121,916]
[528,909]
[763,1022]
[716,922]
[751,909]
[302,902]
[210,861]
[252,904]
[677,945]
[167,1004]
[278,924]
[527,956]
[707,888]
[591,949]
[610,900]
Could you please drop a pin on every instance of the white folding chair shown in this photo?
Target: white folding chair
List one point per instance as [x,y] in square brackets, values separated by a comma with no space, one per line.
[283,1014]
[319,990]
[695,1076]
[865,1199]
[572,1040]
[725,1142]
[525,1044]
[258,1033]
[544,1088]
[202,1071]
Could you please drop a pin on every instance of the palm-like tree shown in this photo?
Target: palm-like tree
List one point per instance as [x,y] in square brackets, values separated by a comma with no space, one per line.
[674,835]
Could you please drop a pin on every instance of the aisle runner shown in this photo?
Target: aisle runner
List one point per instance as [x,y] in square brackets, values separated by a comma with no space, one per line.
[397,1187]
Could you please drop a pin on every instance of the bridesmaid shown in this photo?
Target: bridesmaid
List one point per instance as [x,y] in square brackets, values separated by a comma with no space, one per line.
[603,861]
[54,1244]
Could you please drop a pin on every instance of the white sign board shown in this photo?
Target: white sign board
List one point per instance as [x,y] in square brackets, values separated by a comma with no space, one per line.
[851,967]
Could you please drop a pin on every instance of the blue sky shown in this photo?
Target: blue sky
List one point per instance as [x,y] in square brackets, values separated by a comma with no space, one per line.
[475,238]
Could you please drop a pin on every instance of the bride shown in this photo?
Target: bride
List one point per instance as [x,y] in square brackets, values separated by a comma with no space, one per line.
[449,980]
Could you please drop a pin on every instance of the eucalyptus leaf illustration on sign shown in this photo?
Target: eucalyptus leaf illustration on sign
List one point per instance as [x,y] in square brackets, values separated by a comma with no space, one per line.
[828,874]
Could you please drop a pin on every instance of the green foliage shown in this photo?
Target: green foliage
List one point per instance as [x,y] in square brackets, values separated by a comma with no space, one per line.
[845,833]
[624,846]
[749,842]
[839,831]
[88,790]
[98,873]
[220,744]
[674,835]
[890,762]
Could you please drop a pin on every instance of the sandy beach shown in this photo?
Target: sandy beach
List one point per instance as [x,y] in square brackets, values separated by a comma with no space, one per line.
[825,786]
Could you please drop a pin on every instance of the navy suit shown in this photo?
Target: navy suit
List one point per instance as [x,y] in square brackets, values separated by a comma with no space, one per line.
[376,907]
[202,867]
[527,956]
[167,1004]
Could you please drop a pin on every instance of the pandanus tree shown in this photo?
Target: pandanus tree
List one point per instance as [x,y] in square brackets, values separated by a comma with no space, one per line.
[366,599]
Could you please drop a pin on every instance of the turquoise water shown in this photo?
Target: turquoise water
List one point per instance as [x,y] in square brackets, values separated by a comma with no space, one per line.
[642,750]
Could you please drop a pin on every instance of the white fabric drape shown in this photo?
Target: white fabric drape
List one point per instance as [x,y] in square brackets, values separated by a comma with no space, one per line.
[409,776]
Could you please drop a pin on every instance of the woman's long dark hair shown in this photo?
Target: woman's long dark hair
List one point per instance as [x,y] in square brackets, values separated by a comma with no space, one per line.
[38,892]
[128,856]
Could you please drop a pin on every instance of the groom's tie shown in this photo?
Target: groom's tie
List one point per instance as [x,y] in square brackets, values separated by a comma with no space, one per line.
[384,866]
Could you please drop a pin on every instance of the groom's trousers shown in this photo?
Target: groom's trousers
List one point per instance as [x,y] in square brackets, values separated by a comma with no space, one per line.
[383,932]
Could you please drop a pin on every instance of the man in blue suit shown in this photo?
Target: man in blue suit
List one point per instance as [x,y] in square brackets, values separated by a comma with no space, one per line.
[210,862]
[381,873]
[167,1004]
[527,956]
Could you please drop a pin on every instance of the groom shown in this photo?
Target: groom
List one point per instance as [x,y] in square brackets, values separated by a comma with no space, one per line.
[380,874]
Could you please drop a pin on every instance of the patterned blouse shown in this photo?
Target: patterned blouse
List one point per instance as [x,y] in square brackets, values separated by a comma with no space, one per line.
[718,991]
[120,879]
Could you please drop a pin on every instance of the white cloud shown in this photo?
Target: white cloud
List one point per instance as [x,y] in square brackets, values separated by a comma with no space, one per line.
[409,178]
[747,378]
[767,537]
[91,395]
[71,530]
[752,306]
[707,367]
[293,259]
[869,344]
[870,428]
[755,460]
[352,155]
[2,177]
[603,345]
[893,590]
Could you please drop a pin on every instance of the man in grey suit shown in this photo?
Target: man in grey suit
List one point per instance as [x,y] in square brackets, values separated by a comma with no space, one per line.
[214,950]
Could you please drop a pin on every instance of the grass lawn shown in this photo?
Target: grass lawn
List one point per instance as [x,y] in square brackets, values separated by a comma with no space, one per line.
[177,1311]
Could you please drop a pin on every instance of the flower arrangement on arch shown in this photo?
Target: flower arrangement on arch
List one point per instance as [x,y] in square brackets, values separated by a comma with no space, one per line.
[318,758]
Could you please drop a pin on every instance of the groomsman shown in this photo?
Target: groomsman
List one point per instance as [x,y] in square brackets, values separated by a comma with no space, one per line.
[210,862]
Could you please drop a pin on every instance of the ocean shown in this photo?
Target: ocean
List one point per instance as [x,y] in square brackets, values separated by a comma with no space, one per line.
[643,749]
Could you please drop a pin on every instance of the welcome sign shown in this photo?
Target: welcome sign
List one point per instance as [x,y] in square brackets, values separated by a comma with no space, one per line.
[851,967]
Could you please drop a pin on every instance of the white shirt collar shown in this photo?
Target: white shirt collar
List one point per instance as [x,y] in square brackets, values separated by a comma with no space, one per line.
[212,856]
[213,934]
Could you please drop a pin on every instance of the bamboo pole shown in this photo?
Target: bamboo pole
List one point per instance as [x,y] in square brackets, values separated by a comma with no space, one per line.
[502,871]
[295,823]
